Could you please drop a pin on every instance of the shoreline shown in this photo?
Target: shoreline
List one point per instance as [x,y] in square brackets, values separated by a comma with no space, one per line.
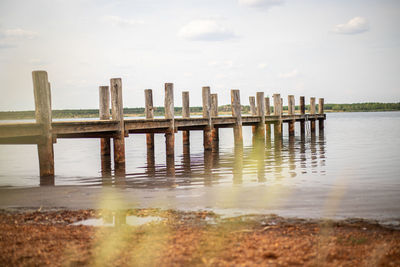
[46,237]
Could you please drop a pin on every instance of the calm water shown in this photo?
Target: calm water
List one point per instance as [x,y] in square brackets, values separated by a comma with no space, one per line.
[357,149]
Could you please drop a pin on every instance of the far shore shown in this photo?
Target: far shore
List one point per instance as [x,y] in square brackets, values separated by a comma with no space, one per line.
[195,111]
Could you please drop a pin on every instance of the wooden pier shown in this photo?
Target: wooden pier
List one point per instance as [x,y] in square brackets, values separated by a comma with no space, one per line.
[45,132]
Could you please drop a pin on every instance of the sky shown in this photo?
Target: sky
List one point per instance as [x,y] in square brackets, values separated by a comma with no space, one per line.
[347,51]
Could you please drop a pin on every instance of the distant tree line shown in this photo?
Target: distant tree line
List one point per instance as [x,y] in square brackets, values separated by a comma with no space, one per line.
[159,111]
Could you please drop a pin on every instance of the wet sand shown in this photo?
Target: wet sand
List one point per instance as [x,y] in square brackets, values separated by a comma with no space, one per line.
[46,237]
[287,201]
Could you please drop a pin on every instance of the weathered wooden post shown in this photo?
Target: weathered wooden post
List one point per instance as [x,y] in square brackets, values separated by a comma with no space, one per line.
[117,112]
[149,110]
[185,115]
[41,89]
[278,112]
[169,114]
[214,113]
[302,112]
[260,128]
[252,101]
[291,111]
[253,112]
[321,111]
[237,113]
[267,125]
[312,112]
[104,114]
[207,136]
[105,142]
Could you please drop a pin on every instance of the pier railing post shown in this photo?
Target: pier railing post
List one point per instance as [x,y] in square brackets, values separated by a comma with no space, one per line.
[169,114]
[149,110]
[214,113]
[291,111]
[278,112]
[41,89]
[253,112]
[185,115]
[104,114]
[260,128]
[117,112]
[321,111]
[267,113]
[312,112]
[237,113]
[207,137]
[302,112]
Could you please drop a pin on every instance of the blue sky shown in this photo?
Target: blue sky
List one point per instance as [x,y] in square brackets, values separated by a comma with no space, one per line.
[344,51]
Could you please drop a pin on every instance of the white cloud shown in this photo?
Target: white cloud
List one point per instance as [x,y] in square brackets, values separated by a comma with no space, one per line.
[290,74]
[18,34]
[262,65]
[354,26]
[118,21]
[9,38]
[221,64]
[261,3]
[206,30]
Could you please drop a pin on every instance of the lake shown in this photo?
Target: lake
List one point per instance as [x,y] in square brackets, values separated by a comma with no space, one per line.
[354,166]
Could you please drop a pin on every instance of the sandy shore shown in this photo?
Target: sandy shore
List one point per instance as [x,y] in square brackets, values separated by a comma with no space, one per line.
[47,237]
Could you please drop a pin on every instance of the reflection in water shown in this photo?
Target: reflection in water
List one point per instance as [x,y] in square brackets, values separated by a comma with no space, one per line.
[269,161]
[238,165]
[264,161]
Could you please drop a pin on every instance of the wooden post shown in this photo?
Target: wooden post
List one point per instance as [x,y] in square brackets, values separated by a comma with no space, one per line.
[312,112]
[104,114]
[214,113]
[253,112]
[252,101]
[169,114]
[260,128]
[291,111]
[185,114]
[321,111]
[149,110]
[302,112]
[267,125]
[41,89]
[207,136]
[117,112]
[237,113]
[278,112]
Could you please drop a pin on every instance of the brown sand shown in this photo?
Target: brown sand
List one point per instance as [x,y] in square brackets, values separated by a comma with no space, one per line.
[37,238]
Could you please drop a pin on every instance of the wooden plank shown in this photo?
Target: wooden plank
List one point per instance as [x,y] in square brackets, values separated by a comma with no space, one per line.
[117,112]
[70,127]
[237,113]
[41,90]
[20,129]
[149,111]
[185,114]
[21,140]
[207,135]
[104,114]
